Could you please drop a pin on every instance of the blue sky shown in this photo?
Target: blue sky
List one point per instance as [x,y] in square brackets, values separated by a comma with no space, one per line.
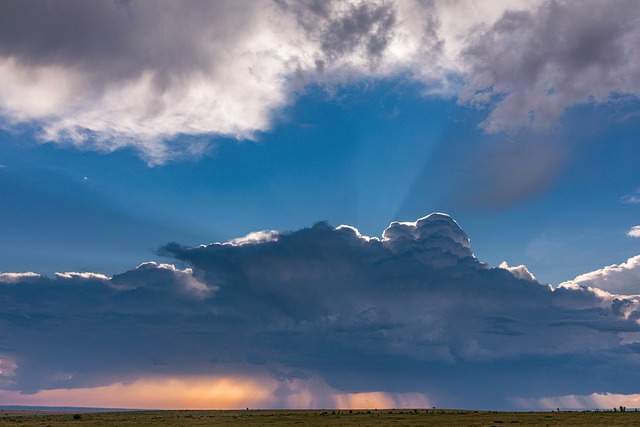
[131,134]
[364,157]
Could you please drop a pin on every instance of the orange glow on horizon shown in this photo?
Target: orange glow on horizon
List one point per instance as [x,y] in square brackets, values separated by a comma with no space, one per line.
[381,400]
[214,393]
[157,393]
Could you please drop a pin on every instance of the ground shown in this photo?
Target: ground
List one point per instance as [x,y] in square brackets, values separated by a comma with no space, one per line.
[360,418]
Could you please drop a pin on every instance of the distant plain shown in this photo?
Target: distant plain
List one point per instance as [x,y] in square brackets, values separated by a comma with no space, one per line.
[362,418]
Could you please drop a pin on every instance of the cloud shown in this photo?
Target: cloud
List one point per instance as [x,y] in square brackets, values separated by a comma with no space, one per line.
[519,272]
[18,277]
[164,277]
[592,401]
[529,66]
[617,278]
[255,237]
[142,74]
[633,198]
[227,392]
[71,275]
[322,311]
[7,371]
[634,231]
[437,233]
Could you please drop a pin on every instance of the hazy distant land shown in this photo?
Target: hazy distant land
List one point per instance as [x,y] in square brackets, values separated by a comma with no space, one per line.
[396,417]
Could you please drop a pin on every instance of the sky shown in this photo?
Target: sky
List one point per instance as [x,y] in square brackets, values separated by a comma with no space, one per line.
[320,204]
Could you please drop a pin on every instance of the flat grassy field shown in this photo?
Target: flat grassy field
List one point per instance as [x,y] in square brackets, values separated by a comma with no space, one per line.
[361,418]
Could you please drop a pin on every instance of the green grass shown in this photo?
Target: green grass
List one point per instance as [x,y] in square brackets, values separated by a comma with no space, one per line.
[359,418]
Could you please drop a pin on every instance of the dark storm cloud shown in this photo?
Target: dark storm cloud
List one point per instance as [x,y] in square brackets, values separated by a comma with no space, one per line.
[533,65]
[413,311]
[346,28]
[366,24]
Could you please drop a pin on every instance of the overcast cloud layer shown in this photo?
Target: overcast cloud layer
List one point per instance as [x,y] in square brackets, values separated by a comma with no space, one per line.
[141,73]
[322,311]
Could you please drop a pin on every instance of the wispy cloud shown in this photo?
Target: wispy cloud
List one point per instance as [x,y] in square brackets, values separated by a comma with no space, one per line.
[633,198]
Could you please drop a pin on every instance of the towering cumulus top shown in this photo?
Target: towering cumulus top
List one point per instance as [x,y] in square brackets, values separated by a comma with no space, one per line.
[436,237]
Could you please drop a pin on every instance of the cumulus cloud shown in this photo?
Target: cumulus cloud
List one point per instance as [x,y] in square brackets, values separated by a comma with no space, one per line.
[108,76]
[520,271]
[322,311]
[634,231]
[142,73]
[167,277]
[617,278]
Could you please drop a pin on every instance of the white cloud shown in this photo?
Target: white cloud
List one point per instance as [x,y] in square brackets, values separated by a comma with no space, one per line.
[433,231]
[213,68]
[143,73]
[255,237]
[520,271]
[617,278]
[634,231]
[632,199]
[18,277]
[83,276]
